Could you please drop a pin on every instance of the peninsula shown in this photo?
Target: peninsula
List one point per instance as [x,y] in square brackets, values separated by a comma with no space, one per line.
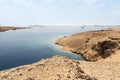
[93,45]
[7,28]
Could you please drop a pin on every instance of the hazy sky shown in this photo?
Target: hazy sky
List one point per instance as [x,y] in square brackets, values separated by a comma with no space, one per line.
[59,12]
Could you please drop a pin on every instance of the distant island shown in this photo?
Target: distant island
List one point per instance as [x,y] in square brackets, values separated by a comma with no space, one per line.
[7,28]
[100,26]
[82,26]
[36,26]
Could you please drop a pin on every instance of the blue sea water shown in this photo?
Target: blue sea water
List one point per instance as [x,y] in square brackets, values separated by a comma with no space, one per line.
[27,46]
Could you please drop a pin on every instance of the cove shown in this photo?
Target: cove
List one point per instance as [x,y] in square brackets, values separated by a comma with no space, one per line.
[27,46]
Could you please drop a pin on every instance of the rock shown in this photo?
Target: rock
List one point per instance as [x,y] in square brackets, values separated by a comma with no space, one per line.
[93,45]
[55,68]
[105,48]
[63,68]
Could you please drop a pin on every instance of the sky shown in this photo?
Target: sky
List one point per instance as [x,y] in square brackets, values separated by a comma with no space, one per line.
[59,12]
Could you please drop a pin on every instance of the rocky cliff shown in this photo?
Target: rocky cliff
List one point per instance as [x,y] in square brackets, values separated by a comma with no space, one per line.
[93,45]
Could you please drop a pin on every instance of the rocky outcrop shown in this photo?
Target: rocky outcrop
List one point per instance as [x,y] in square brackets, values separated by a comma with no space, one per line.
[63,68]
[55,68]
[93,45]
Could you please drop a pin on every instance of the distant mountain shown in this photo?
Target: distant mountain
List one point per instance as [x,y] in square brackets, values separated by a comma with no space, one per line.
[101,26]
[36,26]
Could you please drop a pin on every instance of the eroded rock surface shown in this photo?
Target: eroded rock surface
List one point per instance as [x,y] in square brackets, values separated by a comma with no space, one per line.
[93,45]
[62,68]
[55,68]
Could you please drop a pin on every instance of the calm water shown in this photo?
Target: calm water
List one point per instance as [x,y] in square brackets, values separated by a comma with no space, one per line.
[22,47]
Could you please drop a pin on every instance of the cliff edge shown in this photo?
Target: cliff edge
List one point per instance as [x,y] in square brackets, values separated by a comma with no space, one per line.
[55,68]
[93,45]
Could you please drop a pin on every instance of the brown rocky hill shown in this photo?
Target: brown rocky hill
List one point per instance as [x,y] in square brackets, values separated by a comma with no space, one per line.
[55,68]
[93,45]
[62,68]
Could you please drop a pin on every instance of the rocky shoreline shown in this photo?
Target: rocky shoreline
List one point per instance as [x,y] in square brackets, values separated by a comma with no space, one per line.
[54,68]
[7,28]
[93,45]
[100,48]
[63,68]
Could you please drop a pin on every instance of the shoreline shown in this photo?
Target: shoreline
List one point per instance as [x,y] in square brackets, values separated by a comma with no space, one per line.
[63,68]
[7,28]
[92,44]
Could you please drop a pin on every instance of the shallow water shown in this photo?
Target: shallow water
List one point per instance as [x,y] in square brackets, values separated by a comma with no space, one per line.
[26,46]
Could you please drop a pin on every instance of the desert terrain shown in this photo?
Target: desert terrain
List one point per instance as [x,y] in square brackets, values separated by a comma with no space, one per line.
[100,48]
